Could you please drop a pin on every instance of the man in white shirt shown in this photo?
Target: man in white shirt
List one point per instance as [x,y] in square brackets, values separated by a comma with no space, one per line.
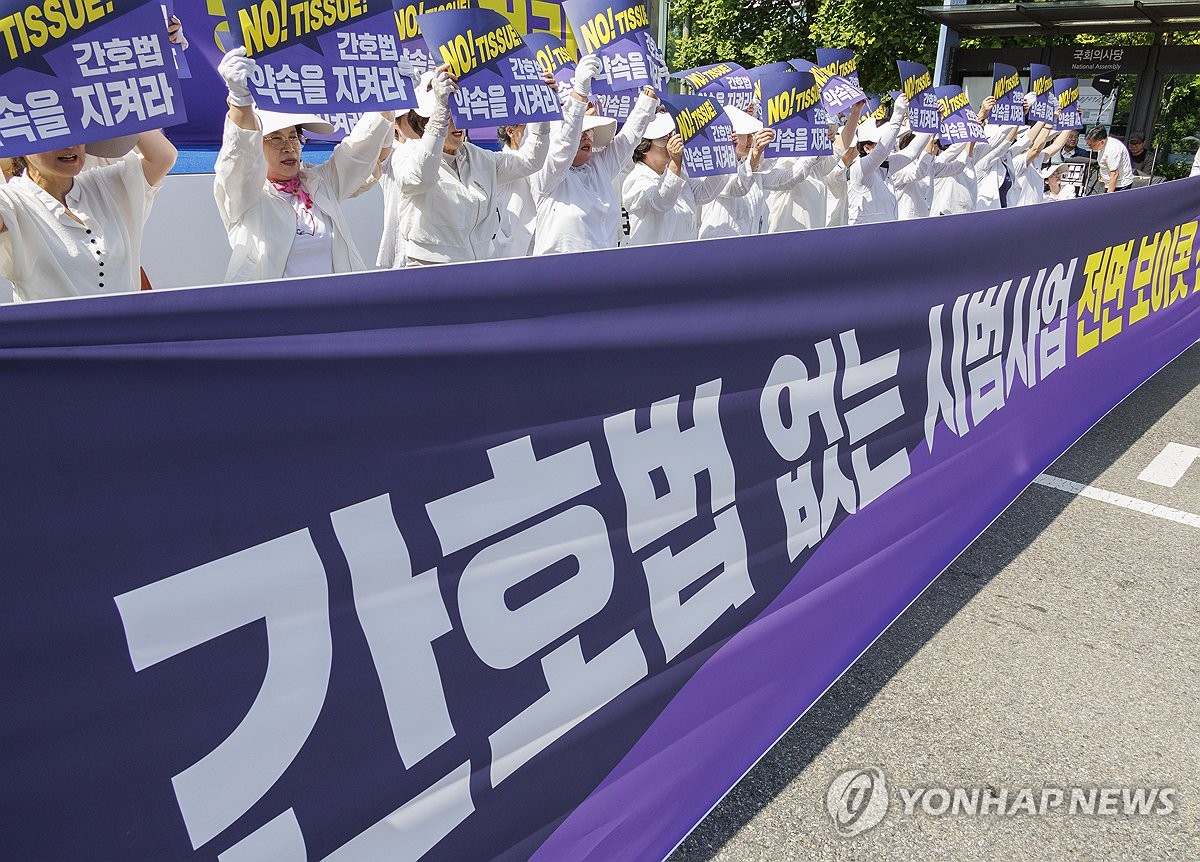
[1116,171]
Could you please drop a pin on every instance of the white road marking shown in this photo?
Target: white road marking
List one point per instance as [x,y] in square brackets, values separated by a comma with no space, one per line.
[1170,464]
[1132,503]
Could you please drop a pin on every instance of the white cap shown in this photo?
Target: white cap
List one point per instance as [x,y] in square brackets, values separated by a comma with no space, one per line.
[1030,98]
[661,126]
[111,148]
[743,123]
[1052,169]
[273,121]
[603,130]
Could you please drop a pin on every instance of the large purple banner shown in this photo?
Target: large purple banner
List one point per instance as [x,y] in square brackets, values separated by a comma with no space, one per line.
[527,559]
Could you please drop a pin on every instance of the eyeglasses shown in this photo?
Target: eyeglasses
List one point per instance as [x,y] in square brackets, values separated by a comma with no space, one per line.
[278,142]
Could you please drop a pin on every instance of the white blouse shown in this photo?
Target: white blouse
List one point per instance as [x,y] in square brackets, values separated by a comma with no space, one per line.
[46,254]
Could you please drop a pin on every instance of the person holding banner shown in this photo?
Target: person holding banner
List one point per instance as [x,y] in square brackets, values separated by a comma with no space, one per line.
[1116,171]
[816,195]
[453,187]
[518,210]
[283,217]
[69,232]
[871,197]
[577,210]
[910,170]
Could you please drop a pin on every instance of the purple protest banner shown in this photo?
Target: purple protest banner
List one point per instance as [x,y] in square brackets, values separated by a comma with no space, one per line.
[553,54]
[959,122]
[875,109]
[340,57]
[707,134]
[791,103]
[840,62]
[616,105]
[104,72]
[182,69]
[1066,95]
[728,83]
[514,559]
[838,94]
[1009,109]
[499,79]
[618,33]
[917,85]
[1041,84]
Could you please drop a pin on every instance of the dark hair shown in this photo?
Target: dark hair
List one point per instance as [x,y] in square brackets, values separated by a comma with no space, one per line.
[416,122]
[861,146]
[639,152]
[19,166]
[502,135]
[1096,133]
[905,140]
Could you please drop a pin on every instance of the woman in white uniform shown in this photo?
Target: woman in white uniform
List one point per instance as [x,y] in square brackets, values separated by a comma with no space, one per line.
[68,232]
[870,195]
[574,189]
[284,218]
[740,207]
[455,188]
[663,203]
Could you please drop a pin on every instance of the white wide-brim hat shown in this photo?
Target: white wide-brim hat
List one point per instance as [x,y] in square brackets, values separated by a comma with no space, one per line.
[274,121]
[1052,169]
[867,132]
[603,130]
[743,123]
[661,126]
[111,148]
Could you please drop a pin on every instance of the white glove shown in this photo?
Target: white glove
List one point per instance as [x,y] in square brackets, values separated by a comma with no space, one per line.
[236,68]
[900,108]
[587,68]
[443,86]
[407,69]
[175,34]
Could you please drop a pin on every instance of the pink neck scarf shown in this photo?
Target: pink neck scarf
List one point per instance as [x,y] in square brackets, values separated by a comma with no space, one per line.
[293,187]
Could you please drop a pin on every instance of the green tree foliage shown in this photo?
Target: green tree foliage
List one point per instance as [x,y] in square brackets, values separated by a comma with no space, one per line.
[755,33]
[880,34]
[750,34]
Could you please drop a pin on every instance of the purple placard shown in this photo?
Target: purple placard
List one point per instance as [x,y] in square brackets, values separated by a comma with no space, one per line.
[306,64]
[182,69]
[791,105]
[616,105]
[959,122]
[1009,109]
[759,72]
[707,134]
[499,79]
[618,33]
[553,54]
[917,85]
[1041,84]
[113,75]
[840,62]
[838,94]
[728,83]
[1066,96]
[412,43]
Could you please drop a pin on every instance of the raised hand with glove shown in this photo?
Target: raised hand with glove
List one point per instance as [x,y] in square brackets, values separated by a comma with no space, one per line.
[236,69]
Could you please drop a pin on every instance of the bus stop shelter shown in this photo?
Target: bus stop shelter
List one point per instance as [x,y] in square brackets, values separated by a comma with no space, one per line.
[1053,20]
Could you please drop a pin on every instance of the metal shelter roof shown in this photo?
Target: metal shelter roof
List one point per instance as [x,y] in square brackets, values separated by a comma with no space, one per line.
[1068,17]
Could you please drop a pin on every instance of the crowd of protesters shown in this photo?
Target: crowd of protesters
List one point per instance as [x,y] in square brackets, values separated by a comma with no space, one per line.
[71,223]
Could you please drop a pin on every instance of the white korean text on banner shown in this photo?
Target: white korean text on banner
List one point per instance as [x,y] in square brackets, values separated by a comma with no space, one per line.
[499,79]
[83,71]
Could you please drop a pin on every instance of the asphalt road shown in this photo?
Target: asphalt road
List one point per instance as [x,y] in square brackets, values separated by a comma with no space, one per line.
[1060,650]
